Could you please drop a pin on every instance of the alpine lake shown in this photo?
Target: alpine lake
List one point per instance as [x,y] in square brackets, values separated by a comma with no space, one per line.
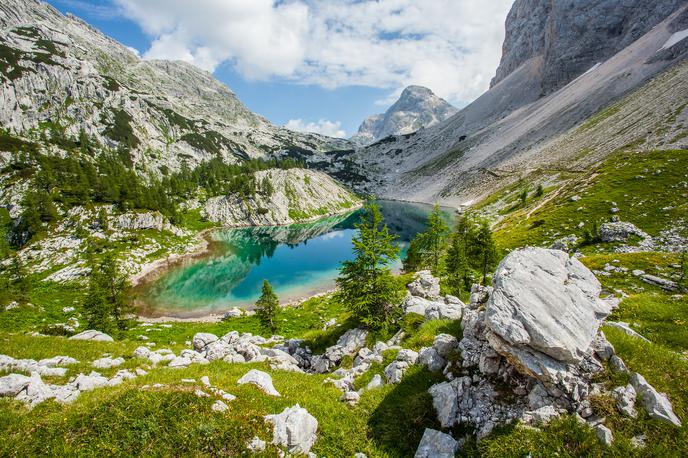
[299,261]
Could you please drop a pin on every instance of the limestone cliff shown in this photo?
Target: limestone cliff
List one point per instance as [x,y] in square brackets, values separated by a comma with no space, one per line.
[298,195]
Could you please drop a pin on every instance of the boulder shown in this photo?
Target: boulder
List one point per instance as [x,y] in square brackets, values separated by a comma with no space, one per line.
[657,404]
[625,400]
[436,444]
[202,340]
[619,231]
[294,429]
[92,334]
[395,371]
[407,356]
[604,434]
[219,406]
[445,344]
[90,382]
[375,382]
[107,362]
[445,401]
[11,385]
[417,305]
[425,285]
[347,345]
[544,311]
[256,445]
[444,311]
[260,379]
[429,357]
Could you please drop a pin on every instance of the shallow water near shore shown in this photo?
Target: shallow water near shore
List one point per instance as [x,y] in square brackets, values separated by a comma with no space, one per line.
[298,260]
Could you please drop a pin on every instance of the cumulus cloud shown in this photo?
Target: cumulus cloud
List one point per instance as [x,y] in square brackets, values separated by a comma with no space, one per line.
[450,46]
[323,126]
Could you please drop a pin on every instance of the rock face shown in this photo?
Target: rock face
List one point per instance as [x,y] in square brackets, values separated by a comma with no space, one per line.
[571,37]
[294,429]
[299,195]
[417,107]
[545,310]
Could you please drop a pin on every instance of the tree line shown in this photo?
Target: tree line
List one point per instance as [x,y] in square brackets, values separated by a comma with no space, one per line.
[106,179]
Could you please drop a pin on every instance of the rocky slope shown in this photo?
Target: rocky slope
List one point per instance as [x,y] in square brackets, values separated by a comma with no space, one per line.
[518,126]
[418,107]
[299,195]
[62,79]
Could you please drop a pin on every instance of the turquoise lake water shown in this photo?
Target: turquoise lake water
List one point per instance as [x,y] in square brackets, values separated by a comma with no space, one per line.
[297,260]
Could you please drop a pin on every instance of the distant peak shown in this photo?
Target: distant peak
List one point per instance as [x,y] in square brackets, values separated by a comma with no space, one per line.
[414,90]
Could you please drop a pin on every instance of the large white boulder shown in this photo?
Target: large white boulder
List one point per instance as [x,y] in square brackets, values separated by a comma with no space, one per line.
[294,429]
[545,310]
[92,334]
[436,444]
[260,379]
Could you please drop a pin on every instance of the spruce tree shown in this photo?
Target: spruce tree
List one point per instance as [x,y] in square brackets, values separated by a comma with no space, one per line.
[107,301]
[425,250]
[457,260]
[485,249]
[366,285]
[267,307]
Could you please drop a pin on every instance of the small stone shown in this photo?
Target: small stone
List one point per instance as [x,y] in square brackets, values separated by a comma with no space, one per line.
[375,382]
[604,434]
[294,428]
[219,406]
[256,445]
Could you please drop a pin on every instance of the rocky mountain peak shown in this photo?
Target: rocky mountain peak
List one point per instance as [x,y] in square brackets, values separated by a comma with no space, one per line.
[417,107]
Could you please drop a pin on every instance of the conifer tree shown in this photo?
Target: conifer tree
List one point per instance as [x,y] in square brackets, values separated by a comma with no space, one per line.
[485,249]
[267,307]
[457,262]
[425,250]
[106,303]
[366,285]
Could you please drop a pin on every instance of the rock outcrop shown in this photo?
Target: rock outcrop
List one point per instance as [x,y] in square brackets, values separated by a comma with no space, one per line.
[537,333]
[298,195]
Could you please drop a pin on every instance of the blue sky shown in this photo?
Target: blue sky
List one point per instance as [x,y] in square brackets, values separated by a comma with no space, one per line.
[320,65]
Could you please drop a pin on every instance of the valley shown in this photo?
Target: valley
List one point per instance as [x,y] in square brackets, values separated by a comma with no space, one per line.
[181,277]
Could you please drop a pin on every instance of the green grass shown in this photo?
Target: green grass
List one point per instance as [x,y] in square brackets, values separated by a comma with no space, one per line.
[643,185]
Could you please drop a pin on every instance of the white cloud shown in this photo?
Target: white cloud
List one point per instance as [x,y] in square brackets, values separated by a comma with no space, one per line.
[134,50]
[451,46]
[323,126]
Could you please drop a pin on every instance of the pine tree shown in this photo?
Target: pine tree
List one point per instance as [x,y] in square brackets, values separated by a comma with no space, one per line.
[436,236]
[366,285]
[540,190]
[457,262]
[485,249]
[425,250]
[267,307]
[524,197]
[107,302]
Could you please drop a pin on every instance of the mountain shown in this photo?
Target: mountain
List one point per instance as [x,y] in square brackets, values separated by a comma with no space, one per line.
[418,107]
[555,103]
[62,79]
